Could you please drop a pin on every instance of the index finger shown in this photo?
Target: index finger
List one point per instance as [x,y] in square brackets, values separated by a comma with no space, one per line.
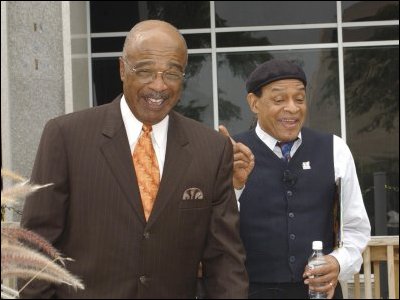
[242,148]
[222,129]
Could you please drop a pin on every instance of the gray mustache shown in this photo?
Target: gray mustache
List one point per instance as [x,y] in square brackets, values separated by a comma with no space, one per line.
[163,96]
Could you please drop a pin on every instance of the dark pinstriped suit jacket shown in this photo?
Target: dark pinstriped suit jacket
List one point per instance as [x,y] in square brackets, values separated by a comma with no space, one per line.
[93,212]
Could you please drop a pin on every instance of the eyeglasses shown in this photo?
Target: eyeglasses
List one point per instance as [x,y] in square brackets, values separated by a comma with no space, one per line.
[149,75]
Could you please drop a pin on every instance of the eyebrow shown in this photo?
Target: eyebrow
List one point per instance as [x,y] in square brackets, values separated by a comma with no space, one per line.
[278,89]
[151,62]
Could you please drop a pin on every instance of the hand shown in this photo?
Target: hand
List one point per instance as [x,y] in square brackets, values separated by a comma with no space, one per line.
[243,161]
[327,276]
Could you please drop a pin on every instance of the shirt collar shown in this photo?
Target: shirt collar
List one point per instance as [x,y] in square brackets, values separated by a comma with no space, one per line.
[134,127]
[268,139]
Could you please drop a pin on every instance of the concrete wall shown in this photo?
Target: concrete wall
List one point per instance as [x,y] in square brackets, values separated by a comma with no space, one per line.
[33,77]
[36,78]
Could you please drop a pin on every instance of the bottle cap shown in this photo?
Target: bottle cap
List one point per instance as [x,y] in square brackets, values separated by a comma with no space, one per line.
[317,245]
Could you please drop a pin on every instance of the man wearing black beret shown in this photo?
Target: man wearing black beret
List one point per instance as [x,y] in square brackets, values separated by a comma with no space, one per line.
[287,201]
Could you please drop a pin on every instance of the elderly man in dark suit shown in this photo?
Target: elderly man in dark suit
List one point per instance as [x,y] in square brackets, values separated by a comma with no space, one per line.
[141,194]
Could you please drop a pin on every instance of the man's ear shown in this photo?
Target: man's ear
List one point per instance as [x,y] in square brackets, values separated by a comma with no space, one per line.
[121,69]
[253,102]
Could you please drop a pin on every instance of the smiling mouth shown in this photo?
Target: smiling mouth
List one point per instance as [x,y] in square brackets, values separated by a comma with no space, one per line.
[154,102]
[288,122]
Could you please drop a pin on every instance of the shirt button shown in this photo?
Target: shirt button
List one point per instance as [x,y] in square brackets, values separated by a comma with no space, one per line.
[143,279]
[292,236]
[289,193]
[146,235]
[291,215]
[292,259]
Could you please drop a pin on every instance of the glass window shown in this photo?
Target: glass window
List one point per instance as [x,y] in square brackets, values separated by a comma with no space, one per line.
[182,14]
[258,13]
[109,44]
[197,41]
[321,68]
[371,73]
[381,33]
[197,100]
[354,11]
[106,81]
[276,37]
[372,114]
[115,16]
[115,44]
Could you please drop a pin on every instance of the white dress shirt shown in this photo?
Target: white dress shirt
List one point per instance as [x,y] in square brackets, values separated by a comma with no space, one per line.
[133,129]
[356,226]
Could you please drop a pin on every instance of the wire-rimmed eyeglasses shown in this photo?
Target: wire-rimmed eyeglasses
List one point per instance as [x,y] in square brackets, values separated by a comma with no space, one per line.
[146,75]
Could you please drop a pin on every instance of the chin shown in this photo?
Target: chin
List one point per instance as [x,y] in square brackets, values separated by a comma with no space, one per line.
[154,119]
[289,137]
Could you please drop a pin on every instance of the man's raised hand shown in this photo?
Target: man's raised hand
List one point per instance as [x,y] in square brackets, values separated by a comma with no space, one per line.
[243,161]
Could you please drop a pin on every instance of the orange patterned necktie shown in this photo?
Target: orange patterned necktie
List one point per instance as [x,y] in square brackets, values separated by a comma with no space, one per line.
[146,168]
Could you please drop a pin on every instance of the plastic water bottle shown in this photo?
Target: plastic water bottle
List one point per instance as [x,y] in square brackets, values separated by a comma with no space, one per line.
[316,260]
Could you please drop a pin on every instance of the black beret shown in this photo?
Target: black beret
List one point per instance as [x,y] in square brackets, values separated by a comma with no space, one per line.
[274,70]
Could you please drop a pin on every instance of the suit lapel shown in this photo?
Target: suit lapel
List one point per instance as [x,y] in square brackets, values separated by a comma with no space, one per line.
[117,153]
[177,159]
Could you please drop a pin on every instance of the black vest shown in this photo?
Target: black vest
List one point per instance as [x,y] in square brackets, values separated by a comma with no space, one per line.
[286,206]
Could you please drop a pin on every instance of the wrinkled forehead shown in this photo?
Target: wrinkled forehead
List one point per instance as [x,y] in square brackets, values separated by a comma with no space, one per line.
[157,44]
[154,39]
